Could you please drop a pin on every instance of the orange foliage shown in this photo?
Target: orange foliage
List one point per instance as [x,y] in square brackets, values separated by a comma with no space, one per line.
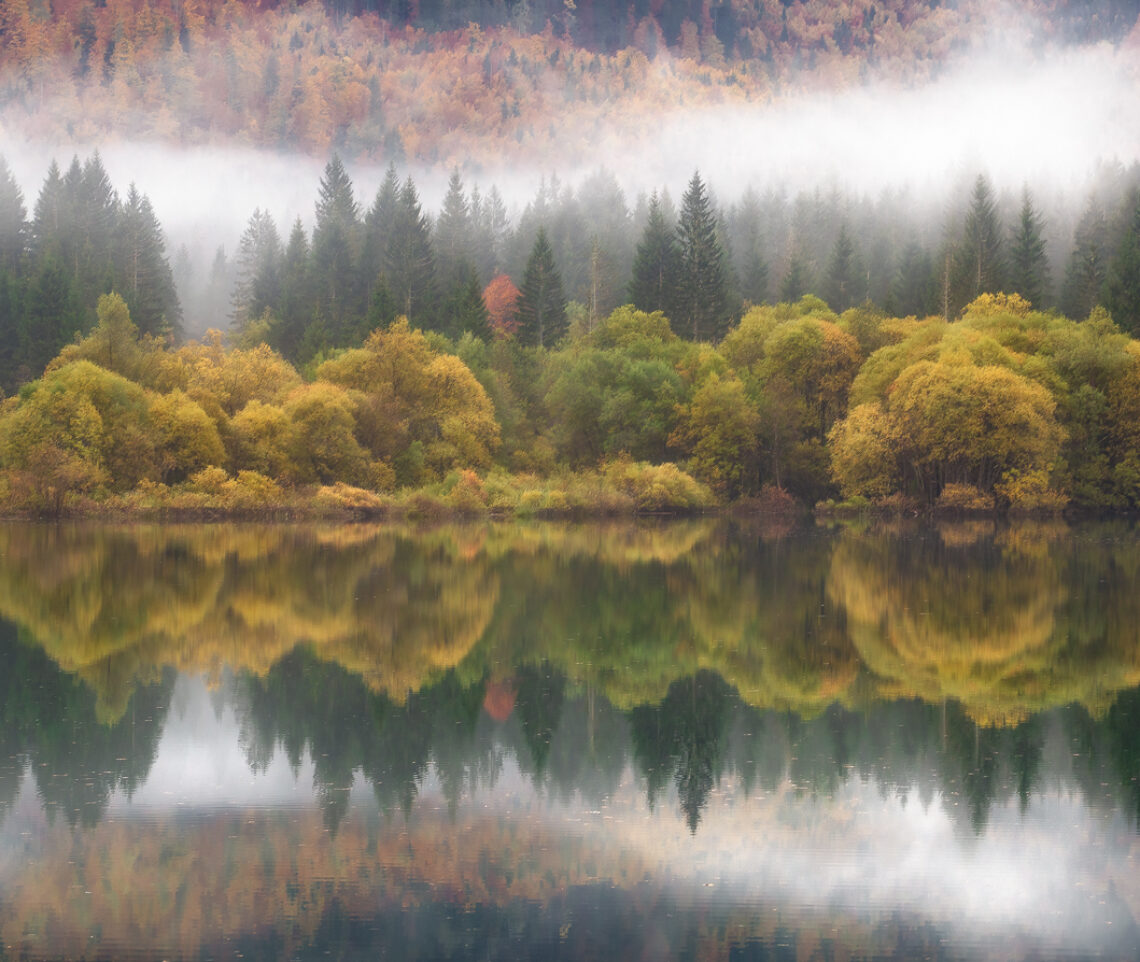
[500,296]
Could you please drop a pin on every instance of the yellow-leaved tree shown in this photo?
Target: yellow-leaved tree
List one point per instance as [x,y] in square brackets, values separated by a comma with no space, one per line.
[419,410]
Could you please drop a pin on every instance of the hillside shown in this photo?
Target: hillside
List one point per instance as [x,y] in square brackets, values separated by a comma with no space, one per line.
[459,82]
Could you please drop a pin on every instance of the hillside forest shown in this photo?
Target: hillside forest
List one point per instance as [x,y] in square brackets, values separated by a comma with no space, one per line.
[389,350]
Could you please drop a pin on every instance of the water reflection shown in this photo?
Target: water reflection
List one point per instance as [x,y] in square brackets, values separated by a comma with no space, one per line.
[695,740]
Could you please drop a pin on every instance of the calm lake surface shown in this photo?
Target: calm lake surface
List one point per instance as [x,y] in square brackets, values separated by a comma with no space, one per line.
[665,741]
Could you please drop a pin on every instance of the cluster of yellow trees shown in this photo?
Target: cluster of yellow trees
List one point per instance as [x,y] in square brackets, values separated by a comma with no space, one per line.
[114,411]
[1005,407]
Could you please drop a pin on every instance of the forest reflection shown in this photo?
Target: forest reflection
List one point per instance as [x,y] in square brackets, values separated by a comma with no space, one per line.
[952,662]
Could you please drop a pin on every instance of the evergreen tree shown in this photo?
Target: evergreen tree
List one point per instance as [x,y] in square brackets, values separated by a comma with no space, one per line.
[48,216]
[490,226]
[464,310]
[1088,263]
[409,260]
[913,291]
[335,252]
[378,223]
[258,266]
[541,306]
[797,278]
[143,273]
[1122,286]
[295,307]
[656,263]
[13,222]
[1028,264]
[53,316]
[701,302]
[452,235]
[979,266]
[846,283]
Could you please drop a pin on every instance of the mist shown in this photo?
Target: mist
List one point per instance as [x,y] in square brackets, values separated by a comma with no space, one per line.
[1052,120]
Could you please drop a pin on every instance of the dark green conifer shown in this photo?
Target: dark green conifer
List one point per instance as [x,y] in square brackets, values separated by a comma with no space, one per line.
[541,309]
[656,263]
[1028,263]
[701,298]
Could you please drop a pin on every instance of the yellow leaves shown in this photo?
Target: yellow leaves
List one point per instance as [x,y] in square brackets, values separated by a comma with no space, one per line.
[412,394]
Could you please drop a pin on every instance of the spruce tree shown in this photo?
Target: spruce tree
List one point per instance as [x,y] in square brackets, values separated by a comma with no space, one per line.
[701,302]
[1122,286]
[13,222]
[846,283]
[294,310]
[409,260]
[377,226]
[143,274]
[464,309]
[335,253]
[797,278]
[656,263]
[1088,263]
[258,266]
[452,235]
[1028,263]
[541,308]
[979,266]
[914,289]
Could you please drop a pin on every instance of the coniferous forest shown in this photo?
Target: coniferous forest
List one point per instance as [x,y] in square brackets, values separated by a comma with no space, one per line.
[689,344]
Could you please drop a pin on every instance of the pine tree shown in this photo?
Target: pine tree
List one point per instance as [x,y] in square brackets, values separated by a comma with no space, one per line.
[541,309]
[913,291]
[979,266]
[409,260]
[295,308]
[142,272]
[1088,263]
[13,222]
[797,278]
[701,301]
[656,263]
[464,310]
[378,224]
[846,283]
[452,234]
[335,252]
[1028,263]
[258,264]
[1122,286]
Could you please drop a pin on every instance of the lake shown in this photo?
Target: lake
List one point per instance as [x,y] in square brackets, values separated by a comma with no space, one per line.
[692,740]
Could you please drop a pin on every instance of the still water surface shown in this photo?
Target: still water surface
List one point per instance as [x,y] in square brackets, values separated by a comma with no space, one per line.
[684,741]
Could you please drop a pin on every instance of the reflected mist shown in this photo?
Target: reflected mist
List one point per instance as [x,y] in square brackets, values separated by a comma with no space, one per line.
[698,739]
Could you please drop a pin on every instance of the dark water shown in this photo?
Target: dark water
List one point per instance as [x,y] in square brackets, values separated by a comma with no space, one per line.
[689,741]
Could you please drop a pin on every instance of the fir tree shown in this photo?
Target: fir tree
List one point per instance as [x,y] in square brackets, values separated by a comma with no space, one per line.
[979,266]
[1088,263]
[409,260]
[1028,264]
[378,224]
[541,309]
[1122,286]
[258,266]
[13,222]
[701,301]
[846,282]
[465,311]
[913,291]
[452,235]
[143,273]
[335,252]
[295,307]
[655,264]
[797,278]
